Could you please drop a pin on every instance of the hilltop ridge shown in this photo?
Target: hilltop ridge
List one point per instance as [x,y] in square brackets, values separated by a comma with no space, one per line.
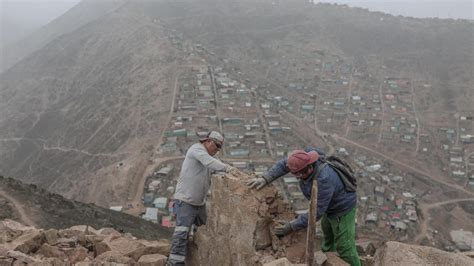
[34,206]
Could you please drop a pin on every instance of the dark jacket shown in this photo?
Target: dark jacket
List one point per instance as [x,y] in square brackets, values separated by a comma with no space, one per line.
[333,200]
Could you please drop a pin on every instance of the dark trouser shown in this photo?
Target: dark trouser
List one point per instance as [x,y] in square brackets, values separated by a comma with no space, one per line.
[186,216]
[339,235]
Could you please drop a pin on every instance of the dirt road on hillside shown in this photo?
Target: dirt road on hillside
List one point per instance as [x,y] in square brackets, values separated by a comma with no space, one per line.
[425,210]
[25,219]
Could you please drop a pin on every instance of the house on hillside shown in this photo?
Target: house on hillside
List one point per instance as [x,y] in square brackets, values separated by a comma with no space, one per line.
[151,215]
[160,203]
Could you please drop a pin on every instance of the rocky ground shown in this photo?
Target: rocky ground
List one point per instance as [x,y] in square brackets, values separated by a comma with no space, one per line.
[78,245]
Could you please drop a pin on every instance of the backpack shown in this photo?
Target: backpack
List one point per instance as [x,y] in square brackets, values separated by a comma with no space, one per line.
[343,170]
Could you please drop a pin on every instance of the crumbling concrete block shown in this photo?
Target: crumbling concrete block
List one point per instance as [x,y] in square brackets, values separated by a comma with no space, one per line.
[365,248]
[334,260]
[21,257]
[152,260]
[51,251]
[51,236]
[150,247]
[320,257]
[29,241]
[396,254]
[279,262]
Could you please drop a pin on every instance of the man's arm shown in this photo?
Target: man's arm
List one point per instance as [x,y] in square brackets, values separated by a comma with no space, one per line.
[277,170]
[300,222]
[207,160]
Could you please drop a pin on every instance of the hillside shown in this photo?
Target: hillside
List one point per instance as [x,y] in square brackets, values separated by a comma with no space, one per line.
[87,101]
[37,207]
[430,49]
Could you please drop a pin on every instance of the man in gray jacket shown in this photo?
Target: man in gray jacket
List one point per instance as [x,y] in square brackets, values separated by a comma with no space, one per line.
[190,195]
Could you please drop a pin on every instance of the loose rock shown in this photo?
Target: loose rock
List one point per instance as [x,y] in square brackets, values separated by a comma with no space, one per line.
[396,254]
[152,260]
[22,257]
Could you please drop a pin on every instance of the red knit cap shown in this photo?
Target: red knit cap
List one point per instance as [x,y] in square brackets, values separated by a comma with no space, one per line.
[299,159]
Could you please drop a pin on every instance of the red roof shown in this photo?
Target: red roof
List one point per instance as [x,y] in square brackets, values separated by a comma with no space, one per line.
[396,215]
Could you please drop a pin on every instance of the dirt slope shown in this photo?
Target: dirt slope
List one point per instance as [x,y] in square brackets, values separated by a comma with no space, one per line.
[46,210]
[87,101]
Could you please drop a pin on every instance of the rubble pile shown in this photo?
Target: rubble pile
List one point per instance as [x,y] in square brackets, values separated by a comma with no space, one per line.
[78,245]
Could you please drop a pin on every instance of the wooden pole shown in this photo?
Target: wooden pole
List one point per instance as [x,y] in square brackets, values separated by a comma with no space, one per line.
[311,232]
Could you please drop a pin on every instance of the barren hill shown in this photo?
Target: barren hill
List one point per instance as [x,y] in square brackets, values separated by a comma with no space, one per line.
[37,207]
[87,101]
[291,31]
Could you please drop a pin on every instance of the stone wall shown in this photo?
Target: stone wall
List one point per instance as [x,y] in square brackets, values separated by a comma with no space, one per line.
[240,224]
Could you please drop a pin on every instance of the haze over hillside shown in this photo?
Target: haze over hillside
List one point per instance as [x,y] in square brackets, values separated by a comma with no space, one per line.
[23,17]
[454,9]
[79,15]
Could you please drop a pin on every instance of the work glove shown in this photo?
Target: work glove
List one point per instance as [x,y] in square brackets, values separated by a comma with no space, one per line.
[256,182]
[232,170]
[283,228]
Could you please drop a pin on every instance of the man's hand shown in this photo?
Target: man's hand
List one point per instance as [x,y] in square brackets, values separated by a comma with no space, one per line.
[283,228]
[232,170]
[257,182]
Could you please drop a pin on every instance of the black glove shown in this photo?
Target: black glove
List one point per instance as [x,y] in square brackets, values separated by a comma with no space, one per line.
[283,228]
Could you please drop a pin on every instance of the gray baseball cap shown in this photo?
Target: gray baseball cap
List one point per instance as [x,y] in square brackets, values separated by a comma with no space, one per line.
[215,136]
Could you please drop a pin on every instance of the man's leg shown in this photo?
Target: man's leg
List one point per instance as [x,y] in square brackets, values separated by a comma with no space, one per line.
[345,238]
[185,216]
[199,220]
[329,245]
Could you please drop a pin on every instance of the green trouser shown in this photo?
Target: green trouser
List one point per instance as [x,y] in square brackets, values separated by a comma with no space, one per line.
[339,235]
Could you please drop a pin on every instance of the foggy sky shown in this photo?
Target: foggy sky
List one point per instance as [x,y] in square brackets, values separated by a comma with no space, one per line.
[416,8]
[18,18]
[33,13]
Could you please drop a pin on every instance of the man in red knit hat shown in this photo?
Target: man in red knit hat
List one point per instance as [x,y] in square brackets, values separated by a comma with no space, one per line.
[336,204]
